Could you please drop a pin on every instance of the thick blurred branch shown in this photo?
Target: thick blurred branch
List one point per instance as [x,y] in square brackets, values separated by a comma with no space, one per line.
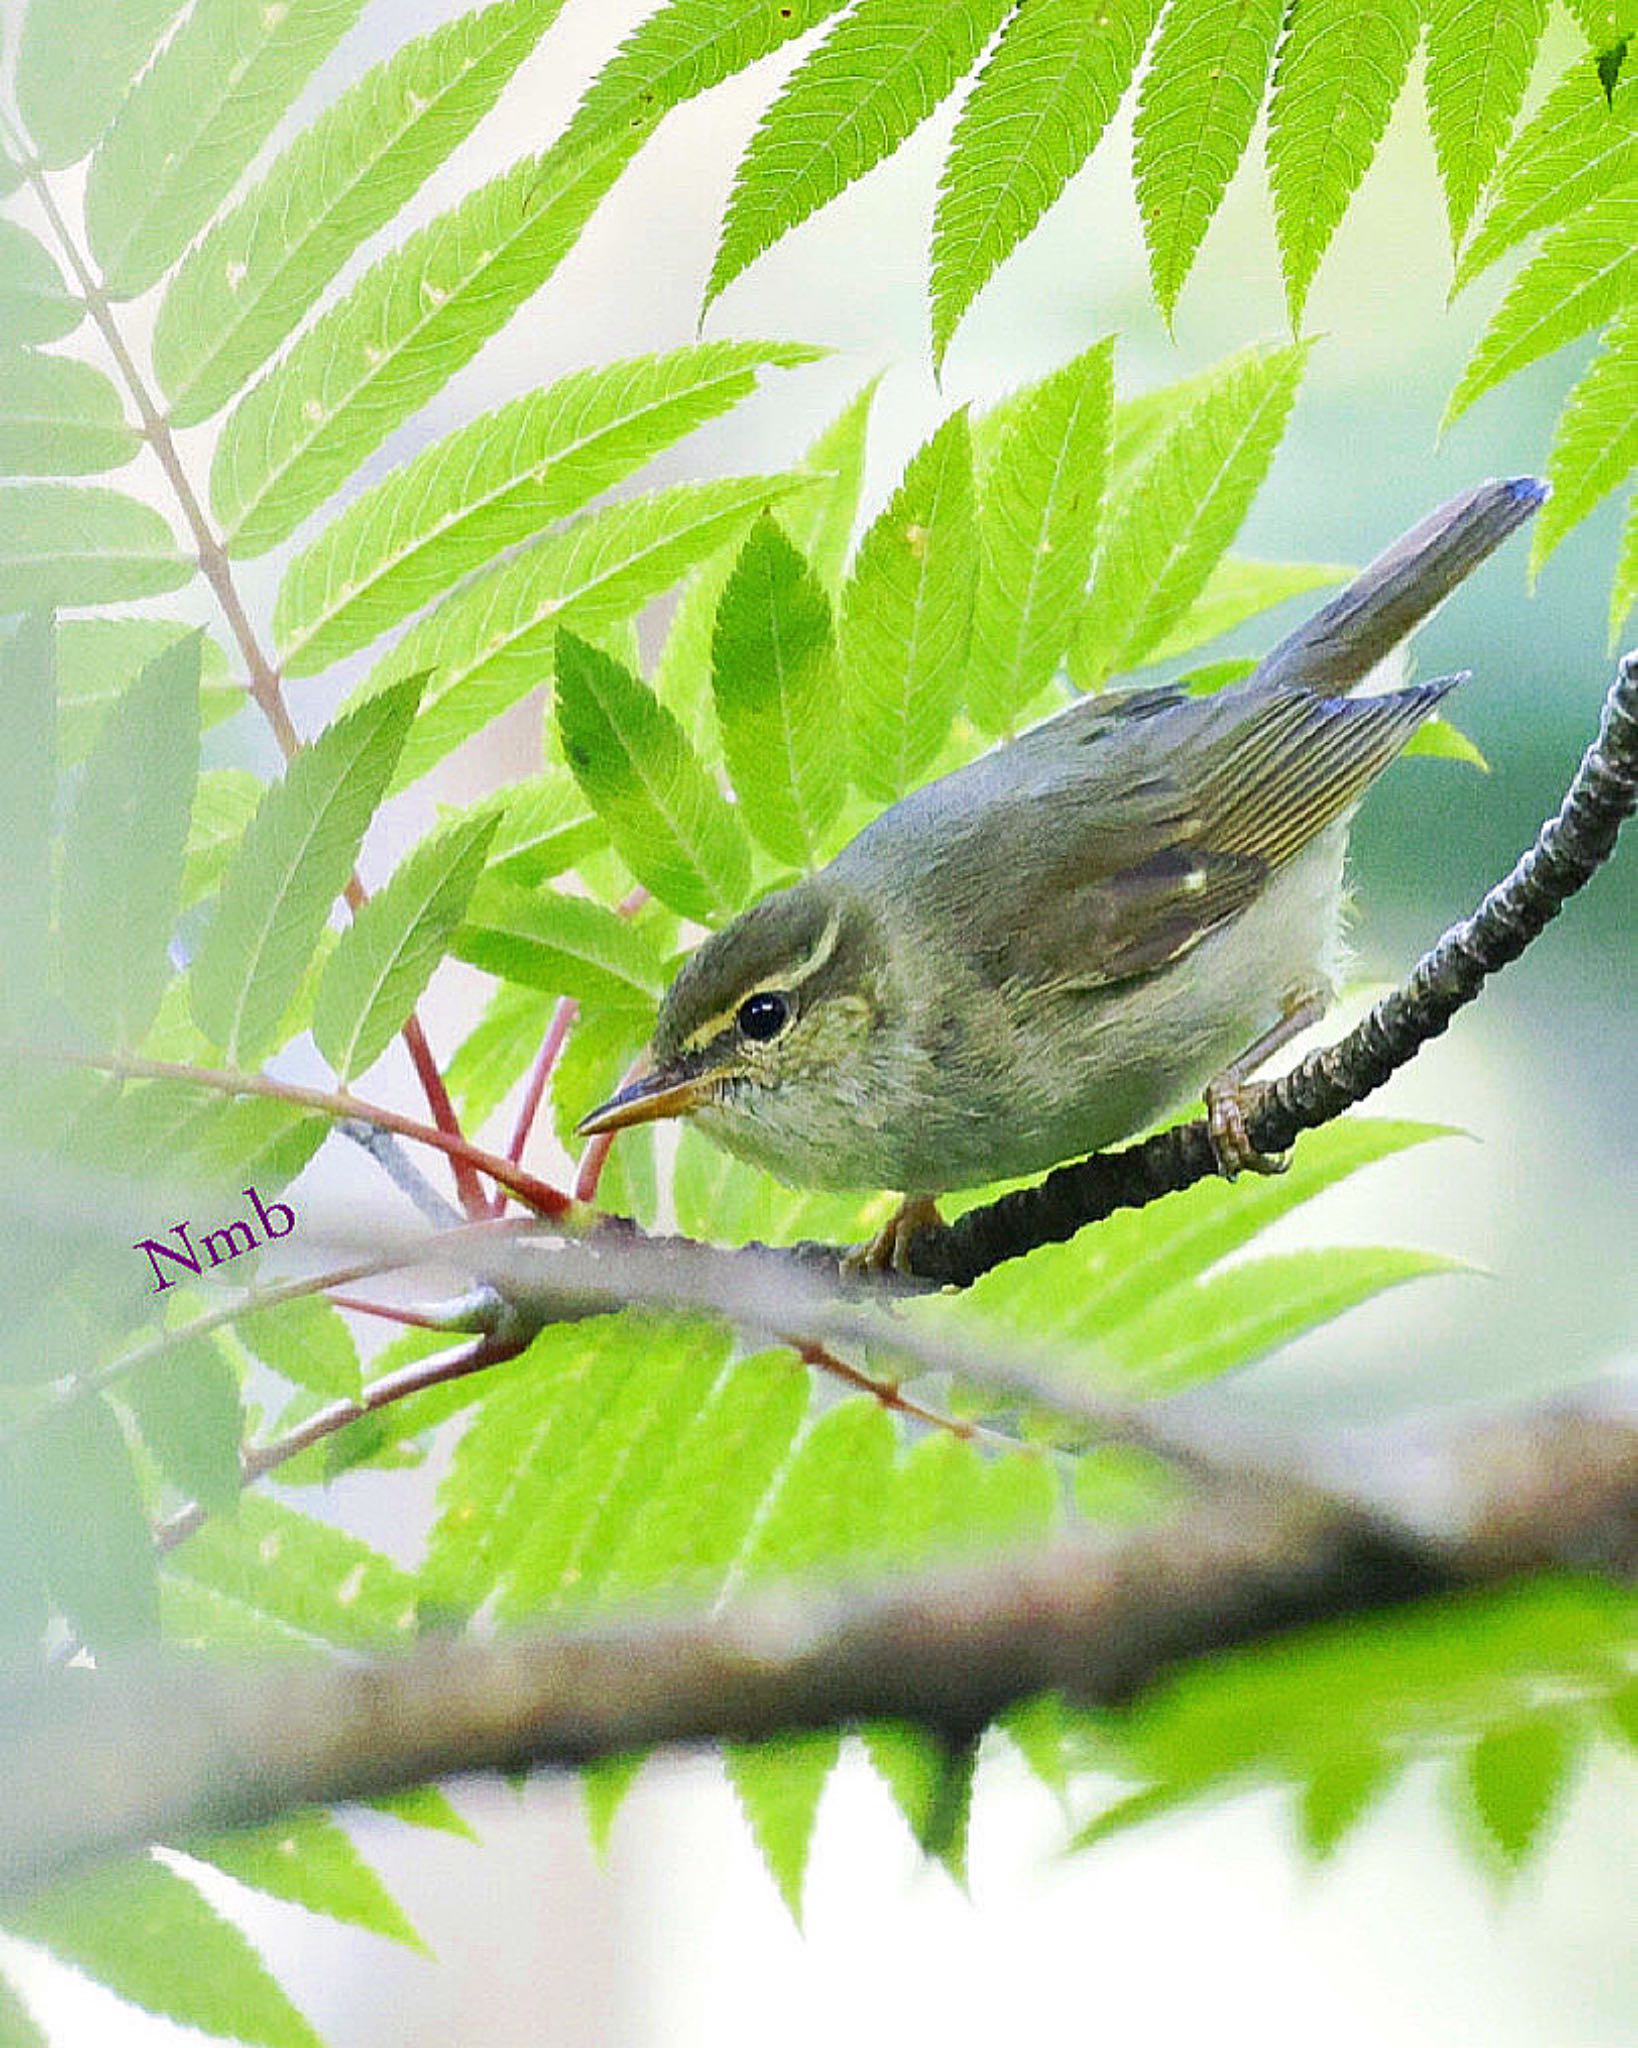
[1568,851]
[93,1763]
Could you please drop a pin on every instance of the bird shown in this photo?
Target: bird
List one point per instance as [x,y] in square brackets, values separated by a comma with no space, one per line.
[1125,908]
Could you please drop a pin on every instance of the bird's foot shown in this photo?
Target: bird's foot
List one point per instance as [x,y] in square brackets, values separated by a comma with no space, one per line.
[889,1250]
[1228,1099]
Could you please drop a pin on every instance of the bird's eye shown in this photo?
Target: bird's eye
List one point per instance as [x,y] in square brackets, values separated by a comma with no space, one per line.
[763,1017]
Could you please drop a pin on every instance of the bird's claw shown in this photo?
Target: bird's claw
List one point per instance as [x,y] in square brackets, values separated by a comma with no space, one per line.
[889,1250]
[1228,1099]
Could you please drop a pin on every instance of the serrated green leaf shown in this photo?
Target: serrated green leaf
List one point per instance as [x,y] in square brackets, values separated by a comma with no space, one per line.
[62,544]
[1139,1260]
[1480,55]
[1516,1777]
[308,1342]
[186,1404]
[394,340]
[1239,589]
[385,959]
[310,1860]
[75,61]
[122,856]
[828,1511]
[1338,1794]
[779,1786]
[246,285]
[907,616]
[1340,70]
[28,788]
[1167,530]
[145,1933]
[1583,273]
[495,640]
[1438,740]
[1624,590]
[492,1058]
[566,945]
[88,1530]
[1041,499]
[223,805]
[877,76]
[1199,102]
[35,304]
[18,2028]
[1049,90]
[99,659]
[820,521]
[60,417]
[295,1580]
[496,482]
[192,124]
[291,866]
[1575,147]
[671,825]
[1237,1316]
[1605,23]
[425,1807]
[774,682]
[722,1200]
[1595,445]
[546,826]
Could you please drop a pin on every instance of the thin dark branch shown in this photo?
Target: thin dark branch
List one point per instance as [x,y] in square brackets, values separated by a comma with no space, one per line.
[85,1774]
[1568,851]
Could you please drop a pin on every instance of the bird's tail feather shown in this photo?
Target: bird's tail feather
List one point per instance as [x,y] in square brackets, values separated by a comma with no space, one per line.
[1344,641]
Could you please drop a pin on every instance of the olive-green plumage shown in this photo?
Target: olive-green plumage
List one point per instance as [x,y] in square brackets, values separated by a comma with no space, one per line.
[1039,954]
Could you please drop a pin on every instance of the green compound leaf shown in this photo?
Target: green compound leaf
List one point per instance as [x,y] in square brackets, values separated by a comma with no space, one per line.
[1239,589]
[194,121]
[277,1579]
[1516,1778]
[223,805]
[75,62]
[1339,1793]
[385,959]
[1048,92]
[307,1342]
[491,1059]
[545,827]
[495,641]
[907,616]
[669,822]
[1340,70]
[1595,448]
[564,945]
[877,76]
[1480,55]
[28,793]
[241,290]
[496,482]
[1168,527]
[310,1860]
[82,1506]
[67,544]
[35,304]
[774,681]
[60,417]
[146,1934]
[1575,147]
[186,1404]
[1196,110]
[1624,590]
[1041,499]
[122,857]
[99,659]
[779,1786]
[292,864]
[1586,271]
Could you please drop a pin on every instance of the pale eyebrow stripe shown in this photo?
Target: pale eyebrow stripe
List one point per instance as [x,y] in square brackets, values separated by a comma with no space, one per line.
[823,947]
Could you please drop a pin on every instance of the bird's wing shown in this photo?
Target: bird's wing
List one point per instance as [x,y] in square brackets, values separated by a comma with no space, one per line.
[1169,833]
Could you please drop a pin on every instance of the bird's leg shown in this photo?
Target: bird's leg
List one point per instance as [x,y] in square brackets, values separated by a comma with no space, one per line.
[889,1250]
[1226,1094]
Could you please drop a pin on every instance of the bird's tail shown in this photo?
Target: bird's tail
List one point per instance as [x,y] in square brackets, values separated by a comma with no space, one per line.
[1345,640]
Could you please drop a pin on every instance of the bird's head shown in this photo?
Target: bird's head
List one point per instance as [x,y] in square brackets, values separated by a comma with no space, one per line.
[767,1028]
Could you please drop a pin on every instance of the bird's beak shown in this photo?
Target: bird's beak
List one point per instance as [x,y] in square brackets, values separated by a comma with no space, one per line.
[645,1101]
